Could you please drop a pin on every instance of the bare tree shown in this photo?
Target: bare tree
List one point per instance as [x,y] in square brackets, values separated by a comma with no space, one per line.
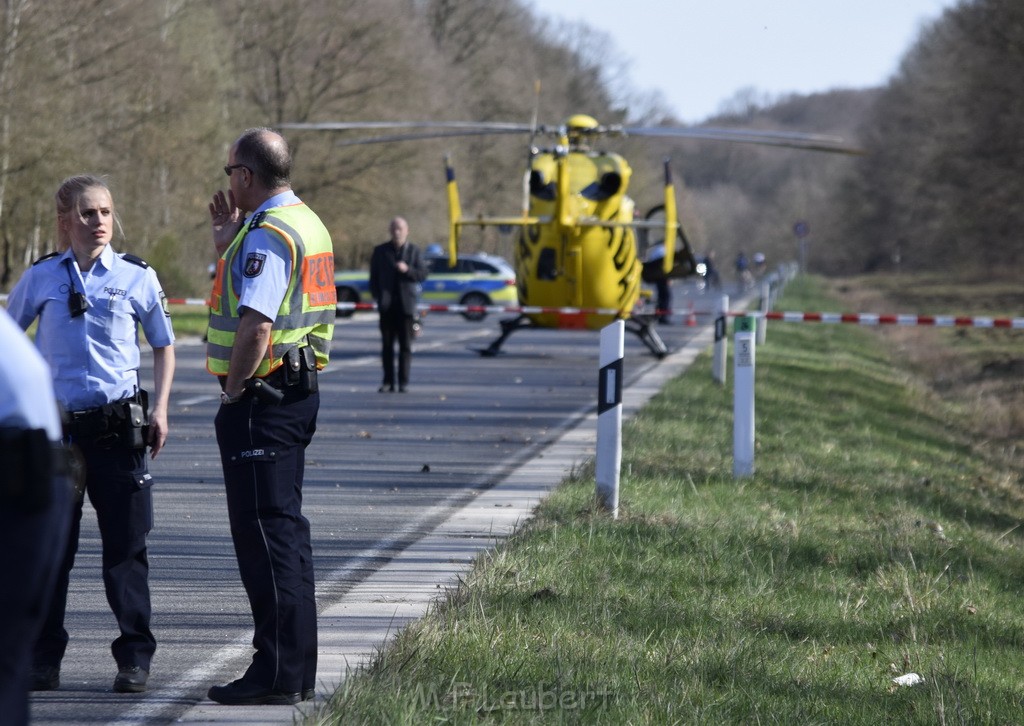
[942,185]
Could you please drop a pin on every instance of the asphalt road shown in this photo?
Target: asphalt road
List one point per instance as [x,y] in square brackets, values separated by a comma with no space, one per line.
[383,470]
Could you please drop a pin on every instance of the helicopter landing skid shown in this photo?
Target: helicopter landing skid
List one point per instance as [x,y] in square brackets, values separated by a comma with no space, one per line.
[508,326]
[641,326]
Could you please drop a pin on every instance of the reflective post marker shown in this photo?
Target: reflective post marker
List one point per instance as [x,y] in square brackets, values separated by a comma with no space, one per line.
[721,349]
[766,306]
[743,398]
[609,417]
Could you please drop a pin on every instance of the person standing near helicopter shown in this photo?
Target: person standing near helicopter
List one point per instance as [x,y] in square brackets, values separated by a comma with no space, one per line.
[396,271]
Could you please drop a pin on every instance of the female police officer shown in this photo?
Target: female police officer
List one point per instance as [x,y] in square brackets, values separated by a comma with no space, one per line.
[89,301]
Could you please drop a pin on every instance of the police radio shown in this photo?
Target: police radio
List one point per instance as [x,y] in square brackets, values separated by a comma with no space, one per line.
[78,303]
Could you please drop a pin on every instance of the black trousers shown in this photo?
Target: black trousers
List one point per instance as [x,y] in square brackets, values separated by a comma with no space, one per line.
[396,328]
[262,449]
[664,299]
[118,483]
[31,548]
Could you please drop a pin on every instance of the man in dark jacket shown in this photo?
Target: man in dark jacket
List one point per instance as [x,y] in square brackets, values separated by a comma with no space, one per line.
[396,271]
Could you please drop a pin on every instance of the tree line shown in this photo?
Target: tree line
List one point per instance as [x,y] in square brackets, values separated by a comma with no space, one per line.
[152,94]
[939,185]
[943,182]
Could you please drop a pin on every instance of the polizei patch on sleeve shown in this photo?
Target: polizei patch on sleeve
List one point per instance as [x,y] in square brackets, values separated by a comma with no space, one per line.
[254,264]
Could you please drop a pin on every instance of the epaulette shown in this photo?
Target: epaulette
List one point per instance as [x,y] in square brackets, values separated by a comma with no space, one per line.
[46,257]
[256,221]
[129,257]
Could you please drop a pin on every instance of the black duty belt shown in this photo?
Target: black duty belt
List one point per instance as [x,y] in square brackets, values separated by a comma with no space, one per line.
[88,424]
[275,379]
[298,369]
[121,422]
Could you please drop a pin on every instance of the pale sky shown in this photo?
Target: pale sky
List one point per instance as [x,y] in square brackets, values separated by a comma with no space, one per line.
[699,53]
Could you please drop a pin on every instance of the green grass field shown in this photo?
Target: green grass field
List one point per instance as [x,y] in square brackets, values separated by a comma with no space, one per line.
[879,536]
[189,320]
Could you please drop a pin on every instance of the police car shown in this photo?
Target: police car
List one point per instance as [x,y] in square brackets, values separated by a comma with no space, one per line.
[477,280]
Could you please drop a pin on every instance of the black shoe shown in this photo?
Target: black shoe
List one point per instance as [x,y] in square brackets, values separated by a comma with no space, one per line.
[130,679]
[45,678]
[308,694]
[401,389]
[240,693]
[385,387]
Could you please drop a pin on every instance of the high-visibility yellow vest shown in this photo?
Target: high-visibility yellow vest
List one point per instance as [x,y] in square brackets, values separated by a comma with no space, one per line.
[307,312]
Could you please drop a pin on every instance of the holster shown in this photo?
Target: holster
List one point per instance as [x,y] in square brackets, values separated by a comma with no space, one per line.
[308,375]
[129,419]
[30,462]
[299,368]
[264,391]
[135,429]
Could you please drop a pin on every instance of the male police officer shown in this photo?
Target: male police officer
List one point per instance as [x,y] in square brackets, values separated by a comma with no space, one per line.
[35,499]
[271,324]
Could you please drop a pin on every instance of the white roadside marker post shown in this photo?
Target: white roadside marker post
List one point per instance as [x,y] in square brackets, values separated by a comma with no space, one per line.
[743,398]
[720,352]
[609,417]
[766,306]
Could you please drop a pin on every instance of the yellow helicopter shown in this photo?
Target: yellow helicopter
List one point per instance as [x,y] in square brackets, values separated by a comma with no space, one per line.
[577,260]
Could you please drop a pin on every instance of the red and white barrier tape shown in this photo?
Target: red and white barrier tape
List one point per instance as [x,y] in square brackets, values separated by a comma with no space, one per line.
[690,314]
[938,321]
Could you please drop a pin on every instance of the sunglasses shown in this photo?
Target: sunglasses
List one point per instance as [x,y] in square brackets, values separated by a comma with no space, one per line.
[231,167]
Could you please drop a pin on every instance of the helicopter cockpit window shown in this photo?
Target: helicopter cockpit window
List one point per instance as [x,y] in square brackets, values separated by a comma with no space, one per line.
[546,265]
[539,188]
[607,186]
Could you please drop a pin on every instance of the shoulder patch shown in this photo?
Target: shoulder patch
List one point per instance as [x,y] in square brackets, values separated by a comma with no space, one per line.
[128,257]
[46,257]
[257,220]
[254,264]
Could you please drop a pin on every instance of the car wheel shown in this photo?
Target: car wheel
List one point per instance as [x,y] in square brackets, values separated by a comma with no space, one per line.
[346,295]
[475,299]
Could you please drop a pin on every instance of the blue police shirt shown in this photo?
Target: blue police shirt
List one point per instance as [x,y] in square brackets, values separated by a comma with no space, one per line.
[26,390]
[264,265]
[94,357]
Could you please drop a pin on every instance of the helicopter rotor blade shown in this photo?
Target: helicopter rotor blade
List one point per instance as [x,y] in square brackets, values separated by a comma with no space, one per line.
[449,129]
[425,136]
[795,140]
[430,129]
[498,126]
